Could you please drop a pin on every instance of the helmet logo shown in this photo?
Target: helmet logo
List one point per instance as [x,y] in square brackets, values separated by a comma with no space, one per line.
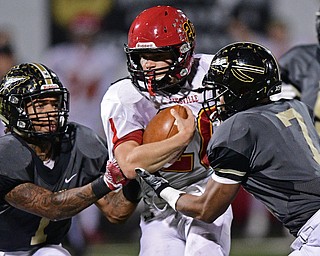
[185,48]
[146,45]
[222,63]
[189,30]
[243,72]
[14,80]
[49,86]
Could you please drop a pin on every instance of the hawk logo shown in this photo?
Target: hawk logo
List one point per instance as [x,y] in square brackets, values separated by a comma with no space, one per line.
[14,81]
[243,72]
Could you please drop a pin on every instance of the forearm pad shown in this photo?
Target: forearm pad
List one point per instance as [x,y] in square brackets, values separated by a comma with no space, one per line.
[99,187]
[171,195]
[131,191]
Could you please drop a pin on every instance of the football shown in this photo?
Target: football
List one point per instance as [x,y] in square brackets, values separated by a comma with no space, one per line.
[162,125]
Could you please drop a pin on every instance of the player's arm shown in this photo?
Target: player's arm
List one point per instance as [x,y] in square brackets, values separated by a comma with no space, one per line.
[211,204]
[153,156]
[207,207]
[290,67]
[54,206]
[117,206]
[64,204]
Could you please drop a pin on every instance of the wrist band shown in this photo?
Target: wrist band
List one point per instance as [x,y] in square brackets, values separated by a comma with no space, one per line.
[171,195]
[131,191]
[99,187]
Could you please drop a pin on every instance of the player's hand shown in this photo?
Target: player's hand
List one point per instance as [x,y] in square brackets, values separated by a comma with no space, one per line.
[161,187]
[114,177]
[156,182]
[186,126]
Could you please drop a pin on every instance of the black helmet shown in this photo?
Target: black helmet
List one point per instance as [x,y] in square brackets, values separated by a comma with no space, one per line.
[243,73]
[24,84]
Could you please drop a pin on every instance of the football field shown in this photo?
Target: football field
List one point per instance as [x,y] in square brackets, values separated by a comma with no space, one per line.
[240,247]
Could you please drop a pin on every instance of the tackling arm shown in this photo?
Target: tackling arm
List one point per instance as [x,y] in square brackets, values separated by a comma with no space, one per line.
[115,207]
[54,206]
[207,207]
[211,204]
[67,203]
[118,206]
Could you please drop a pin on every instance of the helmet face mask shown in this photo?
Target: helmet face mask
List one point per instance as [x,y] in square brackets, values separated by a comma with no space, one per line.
[26,91]
[46,112]
[241,75]
[160,30]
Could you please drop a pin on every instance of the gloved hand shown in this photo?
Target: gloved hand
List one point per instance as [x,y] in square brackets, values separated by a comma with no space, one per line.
[114,177]
[156,182]
[161,186]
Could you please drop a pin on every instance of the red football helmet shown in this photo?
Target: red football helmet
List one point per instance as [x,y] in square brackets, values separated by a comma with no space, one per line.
[160,29]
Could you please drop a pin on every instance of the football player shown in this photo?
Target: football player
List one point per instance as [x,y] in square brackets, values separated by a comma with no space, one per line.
[300,71]
[164,72]
[271,149]
[50,168]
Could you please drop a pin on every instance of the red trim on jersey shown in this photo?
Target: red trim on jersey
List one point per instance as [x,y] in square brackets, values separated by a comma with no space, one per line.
[114,130]
[135,136]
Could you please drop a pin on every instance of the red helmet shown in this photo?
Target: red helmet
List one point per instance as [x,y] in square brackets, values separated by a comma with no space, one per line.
[160,29]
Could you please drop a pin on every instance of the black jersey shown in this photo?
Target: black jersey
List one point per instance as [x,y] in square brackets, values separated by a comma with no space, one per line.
[273,151]
[81,159]
[300,67]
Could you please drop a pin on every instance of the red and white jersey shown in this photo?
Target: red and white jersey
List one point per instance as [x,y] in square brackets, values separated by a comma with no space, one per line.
[124,109]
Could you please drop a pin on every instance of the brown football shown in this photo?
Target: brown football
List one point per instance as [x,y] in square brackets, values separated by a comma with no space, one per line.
[162,125]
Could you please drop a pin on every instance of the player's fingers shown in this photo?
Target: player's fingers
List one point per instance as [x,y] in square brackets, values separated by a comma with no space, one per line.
[189,112]
[176,115]
[184,124]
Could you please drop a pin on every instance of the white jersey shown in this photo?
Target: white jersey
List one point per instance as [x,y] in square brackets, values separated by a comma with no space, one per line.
[124,110]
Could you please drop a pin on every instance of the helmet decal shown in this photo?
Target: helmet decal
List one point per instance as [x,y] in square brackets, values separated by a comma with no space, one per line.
[7,86]
[44,72]
[242,72]
[189,30]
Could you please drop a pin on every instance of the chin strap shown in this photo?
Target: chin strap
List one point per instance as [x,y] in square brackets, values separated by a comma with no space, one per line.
[149,87]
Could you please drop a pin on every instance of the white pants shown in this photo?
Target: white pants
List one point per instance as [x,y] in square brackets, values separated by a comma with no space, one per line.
[48,250]
[308,241]
[179,235]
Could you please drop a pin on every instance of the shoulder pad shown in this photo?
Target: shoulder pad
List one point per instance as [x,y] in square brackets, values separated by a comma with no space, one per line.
[15,157]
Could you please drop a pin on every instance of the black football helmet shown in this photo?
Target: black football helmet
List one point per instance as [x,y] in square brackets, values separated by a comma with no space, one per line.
[160,30]
[24,84]
[318,24]
[242,74]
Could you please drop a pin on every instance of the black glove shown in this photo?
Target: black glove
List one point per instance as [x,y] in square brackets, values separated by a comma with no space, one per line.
[155,181]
